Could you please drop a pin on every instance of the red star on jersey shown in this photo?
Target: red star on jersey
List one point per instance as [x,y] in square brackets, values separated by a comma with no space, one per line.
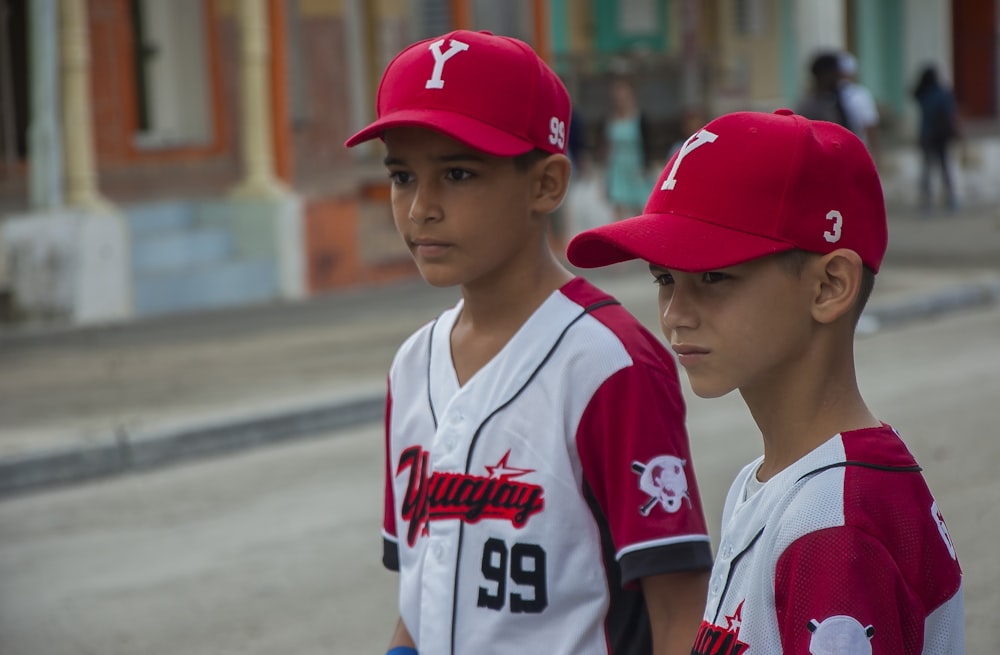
[716,640]
[734,622]
[503,472]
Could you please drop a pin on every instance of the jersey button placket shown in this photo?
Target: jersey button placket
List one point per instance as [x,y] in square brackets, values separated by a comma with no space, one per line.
[456,422]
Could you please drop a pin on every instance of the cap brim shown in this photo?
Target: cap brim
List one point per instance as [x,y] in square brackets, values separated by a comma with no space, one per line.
[471,132]
[671,241]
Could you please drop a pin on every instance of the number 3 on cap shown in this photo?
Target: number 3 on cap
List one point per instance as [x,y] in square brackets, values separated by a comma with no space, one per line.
[557,132]
[833,236]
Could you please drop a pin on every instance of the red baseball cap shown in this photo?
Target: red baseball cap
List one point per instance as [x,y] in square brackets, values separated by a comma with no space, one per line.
[747,185]
[491,92]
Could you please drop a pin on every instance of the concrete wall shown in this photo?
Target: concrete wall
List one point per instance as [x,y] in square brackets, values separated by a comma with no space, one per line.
[67,264]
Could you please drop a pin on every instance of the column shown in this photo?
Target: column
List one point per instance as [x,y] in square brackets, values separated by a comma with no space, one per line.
[258,142]
[77,121]
[691,91]
[44,151]
[819,25]
[360,97]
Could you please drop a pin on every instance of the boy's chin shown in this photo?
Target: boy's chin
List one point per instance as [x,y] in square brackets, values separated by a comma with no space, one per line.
[438,277]
[439,282]
[704,389]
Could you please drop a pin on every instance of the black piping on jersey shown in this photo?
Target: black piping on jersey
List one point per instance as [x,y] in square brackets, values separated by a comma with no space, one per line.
[624,627]
[732,568]
[916,468]
[475,437]
[430,350]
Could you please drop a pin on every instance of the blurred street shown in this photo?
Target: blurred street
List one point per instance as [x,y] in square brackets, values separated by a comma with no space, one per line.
[278,549]
[147,392]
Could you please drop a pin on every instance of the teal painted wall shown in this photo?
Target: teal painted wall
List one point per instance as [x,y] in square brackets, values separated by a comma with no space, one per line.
[878,32]
[559,27]
[791,67]
[609,39]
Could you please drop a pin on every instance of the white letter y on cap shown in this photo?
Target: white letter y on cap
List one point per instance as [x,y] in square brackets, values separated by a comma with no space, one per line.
[699,139]
[454,47]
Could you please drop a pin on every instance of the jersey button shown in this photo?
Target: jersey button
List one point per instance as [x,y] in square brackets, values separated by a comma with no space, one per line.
[450,444]
[438,552]
[727,550]
[716,586]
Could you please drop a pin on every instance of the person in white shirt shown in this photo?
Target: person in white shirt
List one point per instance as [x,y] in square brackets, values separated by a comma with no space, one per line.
[858,103]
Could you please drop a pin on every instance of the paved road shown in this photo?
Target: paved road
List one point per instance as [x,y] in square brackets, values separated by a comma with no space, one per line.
[277,549]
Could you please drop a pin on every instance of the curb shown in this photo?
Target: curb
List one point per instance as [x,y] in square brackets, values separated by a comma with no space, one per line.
[129,453]
[963,296]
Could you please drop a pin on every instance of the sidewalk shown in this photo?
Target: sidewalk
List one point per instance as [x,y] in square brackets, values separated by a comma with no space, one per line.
[77,404]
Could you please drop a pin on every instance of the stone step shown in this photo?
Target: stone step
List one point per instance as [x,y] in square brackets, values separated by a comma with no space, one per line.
[211,287]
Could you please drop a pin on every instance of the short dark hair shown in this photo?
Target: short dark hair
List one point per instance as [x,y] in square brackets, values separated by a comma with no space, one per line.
[824,64]
[525,161]
[795,259]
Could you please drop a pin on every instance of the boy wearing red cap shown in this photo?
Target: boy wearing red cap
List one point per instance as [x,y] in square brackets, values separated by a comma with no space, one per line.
[526,509]
[765,232]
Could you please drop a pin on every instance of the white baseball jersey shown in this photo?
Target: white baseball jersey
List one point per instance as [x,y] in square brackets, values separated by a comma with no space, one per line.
[845,551]
[523,507]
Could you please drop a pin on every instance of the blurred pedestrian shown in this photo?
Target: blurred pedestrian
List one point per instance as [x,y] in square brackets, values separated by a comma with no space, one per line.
[938,128]
[626,145]
[823,101]
[859,104]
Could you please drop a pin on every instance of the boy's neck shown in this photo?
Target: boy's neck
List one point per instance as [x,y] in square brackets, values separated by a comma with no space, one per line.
[493,311]
[501,304]
[799,412]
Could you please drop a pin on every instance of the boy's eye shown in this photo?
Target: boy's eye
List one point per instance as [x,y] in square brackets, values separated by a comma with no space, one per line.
[458,174]
[399,177]
[711,277]
[663,279]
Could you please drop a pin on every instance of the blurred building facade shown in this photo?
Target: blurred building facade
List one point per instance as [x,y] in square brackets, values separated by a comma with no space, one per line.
[160,157]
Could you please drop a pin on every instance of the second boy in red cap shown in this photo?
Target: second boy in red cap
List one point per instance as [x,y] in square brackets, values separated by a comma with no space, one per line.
[765,232]
[530,508]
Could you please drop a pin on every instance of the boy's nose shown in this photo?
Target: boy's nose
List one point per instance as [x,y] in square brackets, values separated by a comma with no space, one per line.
[677,312]
[425,207]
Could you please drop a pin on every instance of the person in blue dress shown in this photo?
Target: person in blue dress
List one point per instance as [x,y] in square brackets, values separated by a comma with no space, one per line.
[625,136]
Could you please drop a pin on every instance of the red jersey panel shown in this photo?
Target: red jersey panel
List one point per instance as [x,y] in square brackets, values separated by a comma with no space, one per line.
[844,551]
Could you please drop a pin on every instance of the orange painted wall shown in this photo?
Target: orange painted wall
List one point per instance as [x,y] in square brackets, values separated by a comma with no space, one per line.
[333,249]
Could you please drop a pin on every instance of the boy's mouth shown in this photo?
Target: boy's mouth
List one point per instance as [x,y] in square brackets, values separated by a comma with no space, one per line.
[688,354]
[429,247]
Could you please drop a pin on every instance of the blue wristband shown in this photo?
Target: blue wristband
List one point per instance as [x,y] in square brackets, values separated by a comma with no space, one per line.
[402,650]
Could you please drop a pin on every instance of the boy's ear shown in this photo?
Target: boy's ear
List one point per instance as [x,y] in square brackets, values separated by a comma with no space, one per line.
[551,181]
[838,281]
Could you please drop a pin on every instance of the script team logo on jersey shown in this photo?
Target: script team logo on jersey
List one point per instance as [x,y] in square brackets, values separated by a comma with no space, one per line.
[840,635]
[664,481]
[715,640]
[471,498]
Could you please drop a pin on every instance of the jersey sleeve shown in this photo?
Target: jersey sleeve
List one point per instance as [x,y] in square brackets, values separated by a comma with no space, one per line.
[637,466]
[840,585]
[390,547]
